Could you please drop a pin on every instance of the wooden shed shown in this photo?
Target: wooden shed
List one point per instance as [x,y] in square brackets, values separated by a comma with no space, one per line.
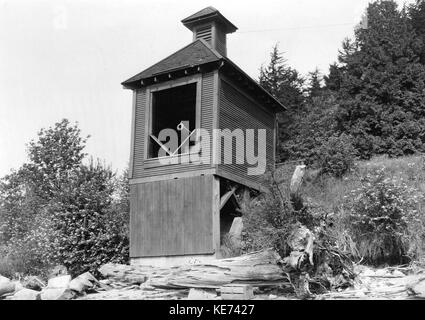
[182,207]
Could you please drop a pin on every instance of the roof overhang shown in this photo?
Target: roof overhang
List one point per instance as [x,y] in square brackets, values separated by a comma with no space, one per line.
[214,15]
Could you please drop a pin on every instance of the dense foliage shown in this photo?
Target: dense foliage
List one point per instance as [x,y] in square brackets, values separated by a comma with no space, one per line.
[336,155]
[371,102]
[382,216]
[382,94]
[375,93]
[57,210]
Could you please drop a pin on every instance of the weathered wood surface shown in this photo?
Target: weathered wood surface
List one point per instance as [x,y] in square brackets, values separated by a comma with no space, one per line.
[258,268]
[296,180]
[172,217]
[384,284]
[6,286]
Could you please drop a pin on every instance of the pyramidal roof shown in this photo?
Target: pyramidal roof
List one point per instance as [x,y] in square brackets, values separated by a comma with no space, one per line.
[194,54]
[206,11]
[208,14]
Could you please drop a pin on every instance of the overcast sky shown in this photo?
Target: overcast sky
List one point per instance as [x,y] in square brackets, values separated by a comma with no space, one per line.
[66,59]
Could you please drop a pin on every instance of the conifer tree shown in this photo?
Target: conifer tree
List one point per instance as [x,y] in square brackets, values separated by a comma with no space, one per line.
[382,93]
[286,85]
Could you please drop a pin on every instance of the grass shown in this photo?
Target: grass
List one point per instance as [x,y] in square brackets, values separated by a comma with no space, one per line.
[328,193]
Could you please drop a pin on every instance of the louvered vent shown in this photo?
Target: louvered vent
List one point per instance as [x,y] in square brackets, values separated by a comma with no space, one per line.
[204,33]
[210,25]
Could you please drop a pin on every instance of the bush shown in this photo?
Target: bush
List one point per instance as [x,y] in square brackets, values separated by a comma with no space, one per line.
[88,229]
[57,210]
[381,216]
[336,156]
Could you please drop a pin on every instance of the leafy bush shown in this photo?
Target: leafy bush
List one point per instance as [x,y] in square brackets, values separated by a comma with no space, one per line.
[88,235]
[381,215]
[336,156]
[57,210]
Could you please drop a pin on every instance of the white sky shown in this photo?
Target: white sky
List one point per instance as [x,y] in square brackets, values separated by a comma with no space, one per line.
[66,59]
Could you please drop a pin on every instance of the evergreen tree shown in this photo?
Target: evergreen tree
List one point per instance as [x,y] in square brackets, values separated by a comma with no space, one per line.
[334,79]
[417,16]
[286,85]
[282,81]
[315,83]
[382,94]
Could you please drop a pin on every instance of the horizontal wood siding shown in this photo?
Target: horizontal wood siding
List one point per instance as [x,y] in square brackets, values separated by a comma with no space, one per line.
[237,111]
[139,169]
[172,217]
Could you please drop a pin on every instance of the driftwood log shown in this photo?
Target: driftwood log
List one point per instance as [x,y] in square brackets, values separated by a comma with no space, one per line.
[258,268]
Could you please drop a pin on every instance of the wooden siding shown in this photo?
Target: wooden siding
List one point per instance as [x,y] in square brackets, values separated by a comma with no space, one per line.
[172,217]
[236,110]
[220,41]
[140,170]
[139,133]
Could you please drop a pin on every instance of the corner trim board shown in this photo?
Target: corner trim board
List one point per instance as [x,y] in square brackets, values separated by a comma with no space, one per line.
[133,129]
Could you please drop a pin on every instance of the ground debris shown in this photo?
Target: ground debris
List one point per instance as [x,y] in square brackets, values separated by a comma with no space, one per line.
[391,283]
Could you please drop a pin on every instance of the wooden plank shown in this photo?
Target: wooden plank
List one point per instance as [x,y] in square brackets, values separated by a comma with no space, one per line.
[144,196]
[189,189]
[237,292]
[133,220]
[226,197]
[216,215]
[173,217]
[196,215]
[179,175]
[177,211]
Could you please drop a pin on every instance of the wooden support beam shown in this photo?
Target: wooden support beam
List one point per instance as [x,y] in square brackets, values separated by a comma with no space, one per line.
[226,197]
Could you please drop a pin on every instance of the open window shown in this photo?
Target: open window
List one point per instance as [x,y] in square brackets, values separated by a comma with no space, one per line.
[169,108]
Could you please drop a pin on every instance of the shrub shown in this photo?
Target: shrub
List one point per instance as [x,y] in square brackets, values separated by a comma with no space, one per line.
[336,156]
[381,215]
[89,230]
[57,210]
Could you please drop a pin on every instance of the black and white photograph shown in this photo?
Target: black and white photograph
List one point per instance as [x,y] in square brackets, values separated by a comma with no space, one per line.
[215,155]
